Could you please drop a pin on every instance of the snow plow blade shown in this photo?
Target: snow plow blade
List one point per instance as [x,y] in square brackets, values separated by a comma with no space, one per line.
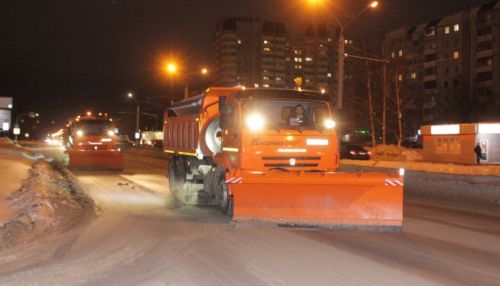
[112,160]
[365,201]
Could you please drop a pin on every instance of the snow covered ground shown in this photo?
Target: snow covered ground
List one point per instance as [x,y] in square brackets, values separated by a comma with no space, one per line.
[14,170]
[35,196]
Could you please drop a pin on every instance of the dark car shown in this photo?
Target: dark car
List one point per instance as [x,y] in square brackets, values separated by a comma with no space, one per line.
[353,152]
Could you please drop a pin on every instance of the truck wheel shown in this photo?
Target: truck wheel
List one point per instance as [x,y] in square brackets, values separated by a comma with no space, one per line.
[224,201]
[176,179]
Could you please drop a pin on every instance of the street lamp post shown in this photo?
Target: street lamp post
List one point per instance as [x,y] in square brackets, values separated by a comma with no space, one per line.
[171,70]
[137,114]
[341,49]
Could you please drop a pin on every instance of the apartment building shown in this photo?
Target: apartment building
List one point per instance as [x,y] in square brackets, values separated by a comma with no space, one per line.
[313,58]
[250,52]
[447,69]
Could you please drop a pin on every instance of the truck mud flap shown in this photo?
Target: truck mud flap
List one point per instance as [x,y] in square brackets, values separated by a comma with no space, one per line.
[111,160]
[364,201]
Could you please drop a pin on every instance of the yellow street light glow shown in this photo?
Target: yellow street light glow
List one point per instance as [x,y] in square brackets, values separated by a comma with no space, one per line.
[171,68]
[204,71]
[130,95]
[373,4]
[89,113]
[79,133]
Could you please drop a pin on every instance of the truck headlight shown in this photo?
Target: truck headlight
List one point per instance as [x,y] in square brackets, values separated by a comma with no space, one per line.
[329,124]
[111,133]
[79,133]
[255,122]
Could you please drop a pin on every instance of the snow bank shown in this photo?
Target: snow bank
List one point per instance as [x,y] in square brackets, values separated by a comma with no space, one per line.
[395,153]
[50,197]
[477,170]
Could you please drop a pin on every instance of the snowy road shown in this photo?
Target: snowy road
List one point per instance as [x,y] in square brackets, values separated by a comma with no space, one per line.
[138,239]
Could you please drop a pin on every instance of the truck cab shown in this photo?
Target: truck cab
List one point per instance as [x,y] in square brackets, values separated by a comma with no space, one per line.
[266,129]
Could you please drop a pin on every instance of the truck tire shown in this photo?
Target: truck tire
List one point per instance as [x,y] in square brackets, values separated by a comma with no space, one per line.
[176,178]
[224,201]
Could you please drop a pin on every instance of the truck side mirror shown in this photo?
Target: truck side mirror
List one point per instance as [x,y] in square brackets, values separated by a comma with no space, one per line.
[226,113]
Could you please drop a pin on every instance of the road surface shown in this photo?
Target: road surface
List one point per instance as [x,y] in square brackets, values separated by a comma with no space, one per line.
[139,238]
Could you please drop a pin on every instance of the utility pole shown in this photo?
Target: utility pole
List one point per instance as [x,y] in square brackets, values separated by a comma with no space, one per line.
[384,103]
[340,71]
[370,104]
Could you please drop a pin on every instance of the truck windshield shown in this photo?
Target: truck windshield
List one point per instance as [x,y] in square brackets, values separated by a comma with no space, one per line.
[95,128]
[289,114]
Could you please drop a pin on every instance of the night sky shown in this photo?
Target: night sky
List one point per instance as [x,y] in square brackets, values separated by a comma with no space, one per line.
[61,57]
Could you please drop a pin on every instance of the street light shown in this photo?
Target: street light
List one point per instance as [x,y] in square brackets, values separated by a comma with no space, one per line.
[172,69]
[341,47]
[137,114]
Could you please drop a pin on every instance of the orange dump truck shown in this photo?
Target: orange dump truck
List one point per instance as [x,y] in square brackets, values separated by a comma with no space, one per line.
[90,143]
[271,154]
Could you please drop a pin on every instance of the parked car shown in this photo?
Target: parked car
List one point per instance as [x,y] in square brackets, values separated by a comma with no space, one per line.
[123,141]
[353,152]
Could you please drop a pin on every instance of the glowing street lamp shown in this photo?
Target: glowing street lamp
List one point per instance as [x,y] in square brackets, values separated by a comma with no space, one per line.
[204,71]
[171,68]
[341,46]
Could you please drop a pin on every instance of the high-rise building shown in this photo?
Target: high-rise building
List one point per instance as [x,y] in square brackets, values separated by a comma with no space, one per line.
[313,57]
[250,52]
[447,70]
[485,60]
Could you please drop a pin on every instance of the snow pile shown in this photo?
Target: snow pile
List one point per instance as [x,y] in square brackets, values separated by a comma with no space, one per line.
[48,198]
[395,153]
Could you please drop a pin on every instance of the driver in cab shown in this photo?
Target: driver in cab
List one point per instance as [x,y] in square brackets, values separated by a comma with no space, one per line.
[297,116]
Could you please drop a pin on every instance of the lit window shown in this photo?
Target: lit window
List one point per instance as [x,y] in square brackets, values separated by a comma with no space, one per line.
[400,77]
[256,85]
[266,42]
[456,55]
[278,78]
[393,54]
[239,42]
[267,49]
[456,27]
[265,78]
[309,59]
[329,74]
[400,53]
[413,75]
[265,85]
[447,29]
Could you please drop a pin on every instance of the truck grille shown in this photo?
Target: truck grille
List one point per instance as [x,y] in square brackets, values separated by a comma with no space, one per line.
[93,147]
[284,162]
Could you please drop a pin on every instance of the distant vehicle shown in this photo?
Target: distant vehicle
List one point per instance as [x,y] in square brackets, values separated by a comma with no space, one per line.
[353,152]
[90,143]
[152,139]
[123,141]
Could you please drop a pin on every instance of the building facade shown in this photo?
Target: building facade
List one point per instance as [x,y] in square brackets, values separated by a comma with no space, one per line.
[250,52]
[447,70]
[313,58]
[257,53]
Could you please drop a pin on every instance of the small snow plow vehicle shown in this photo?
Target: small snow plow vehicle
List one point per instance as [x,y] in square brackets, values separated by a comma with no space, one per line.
[90,143]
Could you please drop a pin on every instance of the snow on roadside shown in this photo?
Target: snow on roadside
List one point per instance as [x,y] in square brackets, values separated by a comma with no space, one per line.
[394,153]
[49,198]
